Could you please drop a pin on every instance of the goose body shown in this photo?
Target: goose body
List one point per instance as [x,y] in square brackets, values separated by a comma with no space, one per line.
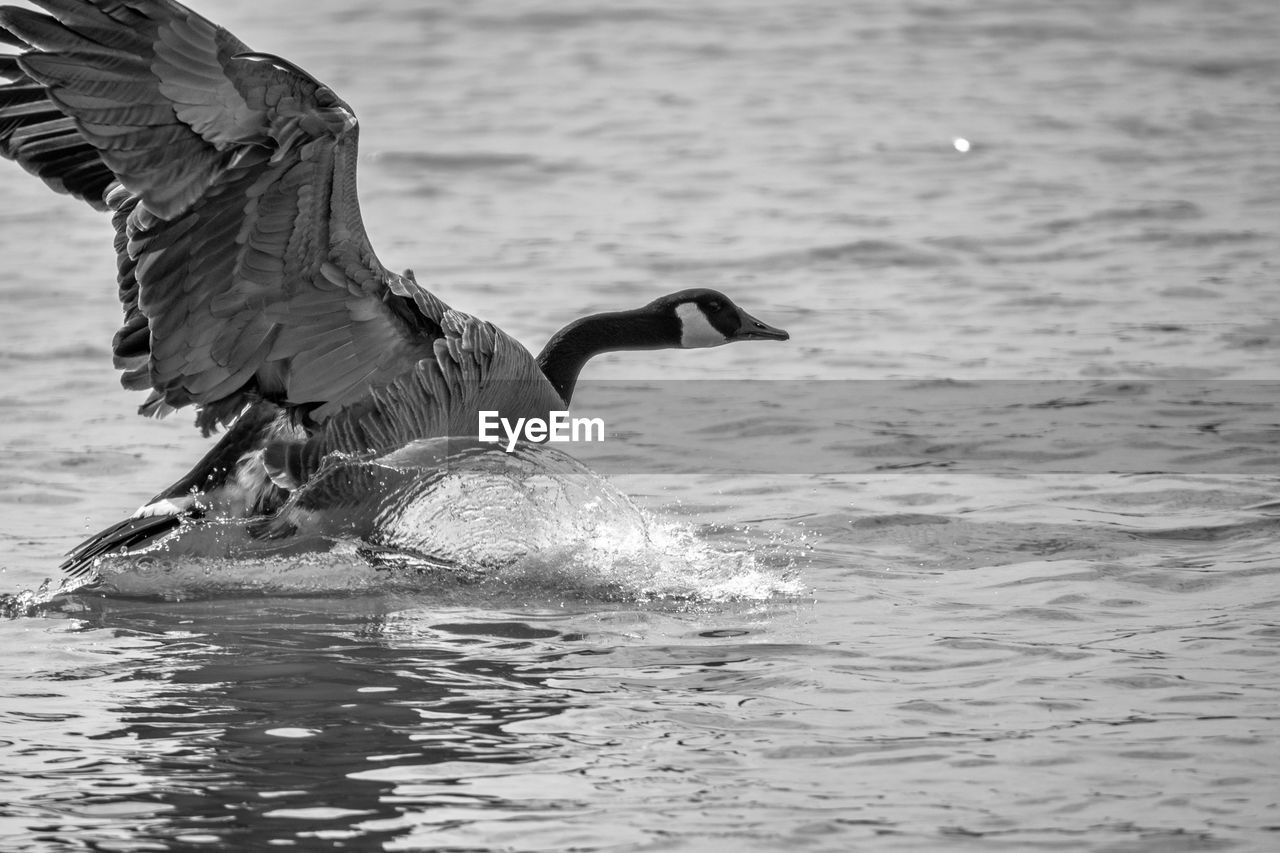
[250,289]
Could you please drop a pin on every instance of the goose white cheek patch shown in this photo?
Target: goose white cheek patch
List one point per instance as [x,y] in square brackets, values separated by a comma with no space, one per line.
[695,330]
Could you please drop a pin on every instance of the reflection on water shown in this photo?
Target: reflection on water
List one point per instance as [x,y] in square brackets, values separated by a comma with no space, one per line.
[253,722]
[236,715]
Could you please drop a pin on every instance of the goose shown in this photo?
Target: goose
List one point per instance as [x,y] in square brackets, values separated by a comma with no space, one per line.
[249,287]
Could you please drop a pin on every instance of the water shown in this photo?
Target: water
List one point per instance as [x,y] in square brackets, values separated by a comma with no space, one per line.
[1034,605]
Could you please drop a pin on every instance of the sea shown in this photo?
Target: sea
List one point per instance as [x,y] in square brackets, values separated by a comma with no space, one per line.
[986,557]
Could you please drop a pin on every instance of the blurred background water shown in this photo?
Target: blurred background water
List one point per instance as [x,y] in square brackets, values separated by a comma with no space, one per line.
[1021,597]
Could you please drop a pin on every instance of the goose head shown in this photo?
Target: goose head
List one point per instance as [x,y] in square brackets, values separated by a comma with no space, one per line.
[688,319]
[708,318]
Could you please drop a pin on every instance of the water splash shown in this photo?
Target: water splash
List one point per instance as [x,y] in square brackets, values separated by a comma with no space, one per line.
[29,601]
[452,520]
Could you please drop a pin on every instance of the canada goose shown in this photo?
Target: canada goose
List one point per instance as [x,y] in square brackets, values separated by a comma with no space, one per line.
[249,286]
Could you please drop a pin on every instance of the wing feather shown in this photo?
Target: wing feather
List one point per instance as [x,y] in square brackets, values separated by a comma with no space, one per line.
[244,269]
[35,28]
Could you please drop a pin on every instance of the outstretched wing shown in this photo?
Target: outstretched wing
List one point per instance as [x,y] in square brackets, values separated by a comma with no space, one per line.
[244,267]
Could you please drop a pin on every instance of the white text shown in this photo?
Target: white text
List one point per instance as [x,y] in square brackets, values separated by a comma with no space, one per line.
[558,428]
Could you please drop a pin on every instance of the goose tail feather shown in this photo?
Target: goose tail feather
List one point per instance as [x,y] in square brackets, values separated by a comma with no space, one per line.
[122,536]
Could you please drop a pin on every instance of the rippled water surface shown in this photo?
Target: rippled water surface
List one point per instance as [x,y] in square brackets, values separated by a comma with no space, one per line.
[984,558]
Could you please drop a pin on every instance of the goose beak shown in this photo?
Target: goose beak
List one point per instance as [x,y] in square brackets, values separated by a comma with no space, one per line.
[754,330]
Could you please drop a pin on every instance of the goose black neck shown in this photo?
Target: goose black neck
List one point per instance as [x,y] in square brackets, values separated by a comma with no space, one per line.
[573,346]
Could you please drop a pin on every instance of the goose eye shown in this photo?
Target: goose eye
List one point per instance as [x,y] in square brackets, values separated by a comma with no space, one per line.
[714,306]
